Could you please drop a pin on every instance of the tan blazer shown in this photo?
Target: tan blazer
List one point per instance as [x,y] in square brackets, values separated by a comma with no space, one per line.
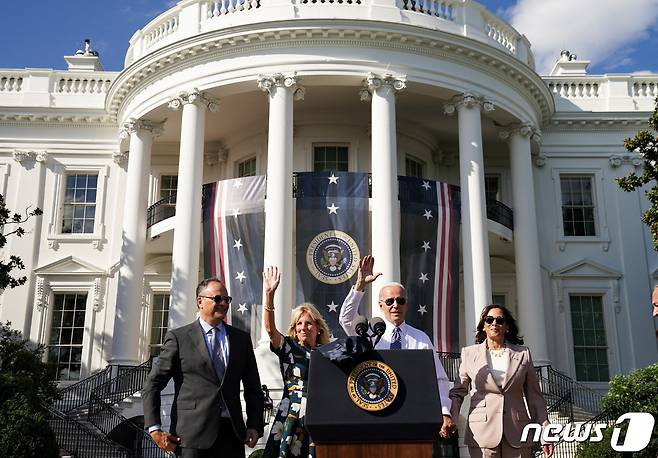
[495,411]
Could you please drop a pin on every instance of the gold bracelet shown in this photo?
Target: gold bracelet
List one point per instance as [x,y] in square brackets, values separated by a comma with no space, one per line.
[268,309]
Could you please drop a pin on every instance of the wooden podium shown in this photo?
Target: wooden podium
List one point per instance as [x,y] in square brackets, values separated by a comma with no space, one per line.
[407,428]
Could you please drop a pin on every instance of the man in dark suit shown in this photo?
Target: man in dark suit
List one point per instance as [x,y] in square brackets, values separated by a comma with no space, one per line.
[207,360]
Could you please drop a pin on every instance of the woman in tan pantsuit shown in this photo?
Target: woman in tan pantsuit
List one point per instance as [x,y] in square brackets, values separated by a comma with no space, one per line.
[498,373]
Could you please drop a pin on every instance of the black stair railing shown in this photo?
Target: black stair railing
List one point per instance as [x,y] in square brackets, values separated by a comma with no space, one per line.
[101,413]
[450,362]
[81,442]
[559,385]
[77,395]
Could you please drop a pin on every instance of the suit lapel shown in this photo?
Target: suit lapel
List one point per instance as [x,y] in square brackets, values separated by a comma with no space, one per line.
[481,361]
[515,357]
[198,341]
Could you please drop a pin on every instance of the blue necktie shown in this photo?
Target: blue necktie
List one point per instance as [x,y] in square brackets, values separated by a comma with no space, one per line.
[396,342]
[217,356]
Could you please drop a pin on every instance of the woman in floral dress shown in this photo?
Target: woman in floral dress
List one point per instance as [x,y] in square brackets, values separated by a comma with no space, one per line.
[288,436]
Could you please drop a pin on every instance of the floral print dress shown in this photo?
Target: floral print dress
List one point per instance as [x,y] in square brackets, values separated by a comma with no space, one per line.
[288,436]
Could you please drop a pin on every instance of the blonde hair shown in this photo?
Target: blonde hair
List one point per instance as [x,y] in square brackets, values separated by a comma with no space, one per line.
[323,336]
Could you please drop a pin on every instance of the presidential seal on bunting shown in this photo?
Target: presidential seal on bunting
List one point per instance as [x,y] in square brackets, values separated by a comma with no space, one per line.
[332,257]
[372,385]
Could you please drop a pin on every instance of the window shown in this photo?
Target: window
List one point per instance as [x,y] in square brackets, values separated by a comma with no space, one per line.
[330,157]
[498,299]
[577,205]
[491,187]
[159,322]
[66,333]
[589,339]
[79,204]
[247,168]
[413,167]
[168,188]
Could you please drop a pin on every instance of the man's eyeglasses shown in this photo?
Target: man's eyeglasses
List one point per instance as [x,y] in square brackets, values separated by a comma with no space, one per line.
[389,301]
[219,298]
[498,319]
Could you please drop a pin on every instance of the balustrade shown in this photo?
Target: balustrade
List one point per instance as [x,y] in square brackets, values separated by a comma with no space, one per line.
[11,83]
[82,85]
[645,89]
[188,19]
[575,89]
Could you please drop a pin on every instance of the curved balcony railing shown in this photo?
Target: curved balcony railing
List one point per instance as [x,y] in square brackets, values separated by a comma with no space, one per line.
[460,17]
[166,208]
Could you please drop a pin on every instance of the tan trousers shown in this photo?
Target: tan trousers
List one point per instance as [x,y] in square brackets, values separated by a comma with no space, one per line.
[504,450]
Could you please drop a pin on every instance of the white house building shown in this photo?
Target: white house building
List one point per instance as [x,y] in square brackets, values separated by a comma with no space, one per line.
[219,89]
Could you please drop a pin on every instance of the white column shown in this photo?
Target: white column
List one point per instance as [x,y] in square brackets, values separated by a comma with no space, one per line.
[526,243]
[282,91]
[385,207]
[187,233]
[125,340]
[475,238]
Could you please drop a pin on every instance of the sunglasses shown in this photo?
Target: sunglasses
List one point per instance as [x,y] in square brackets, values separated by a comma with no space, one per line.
[219,298]
[389,301]
[498,319]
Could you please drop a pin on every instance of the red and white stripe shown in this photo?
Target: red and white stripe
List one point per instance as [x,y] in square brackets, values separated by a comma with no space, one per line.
[442,279]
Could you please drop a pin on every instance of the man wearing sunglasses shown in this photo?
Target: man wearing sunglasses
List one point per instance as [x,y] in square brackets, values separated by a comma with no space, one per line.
[207,360]
[398,335]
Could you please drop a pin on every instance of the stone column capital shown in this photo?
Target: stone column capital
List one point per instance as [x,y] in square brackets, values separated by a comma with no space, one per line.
[374,81]
[133,126]
[468,100]
[120,157]
[524,130]
[278,80]
[196,97]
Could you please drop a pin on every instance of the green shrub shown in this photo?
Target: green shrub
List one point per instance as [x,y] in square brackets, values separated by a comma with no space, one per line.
[24,386]
[635,392]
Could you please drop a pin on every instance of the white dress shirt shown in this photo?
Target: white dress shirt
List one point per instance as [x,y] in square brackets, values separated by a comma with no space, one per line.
[412,339]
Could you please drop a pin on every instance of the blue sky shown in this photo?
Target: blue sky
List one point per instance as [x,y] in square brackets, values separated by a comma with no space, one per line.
[617,36]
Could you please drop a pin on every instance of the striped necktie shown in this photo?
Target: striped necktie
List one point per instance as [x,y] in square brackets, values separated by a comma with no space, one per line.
[396,340]
[217,356]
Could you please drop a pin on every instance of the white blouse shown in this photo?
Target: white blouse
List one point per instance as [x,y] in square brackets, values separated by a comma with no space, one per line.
[498,361]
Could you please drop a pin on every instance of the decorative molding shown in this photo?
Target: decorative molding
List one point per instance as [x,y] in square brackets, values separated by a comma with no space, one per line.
[21,156]
[97,301]
[196,97]
[97,244]
[444,158]
[218,154]
[617,160]
[53,244]
[374,81]
[525,130]
[41,293]
[267,82]
[133,126]
[468,100]
[25,119]
[400,38]
[590,270]
[540,161]
[120,157]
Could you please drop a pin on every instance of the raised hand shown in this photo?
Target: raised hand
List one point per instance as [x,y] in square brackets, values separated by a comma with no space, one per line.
[271,279]
[365,274]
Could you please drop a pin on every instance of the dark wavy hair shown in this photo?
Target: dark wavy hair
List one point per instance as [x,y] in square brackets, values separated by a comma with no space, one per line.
[512,334]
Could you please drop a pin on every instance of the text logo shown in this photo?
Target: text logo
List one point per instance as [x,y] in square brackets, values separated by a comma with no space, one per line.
[638,433]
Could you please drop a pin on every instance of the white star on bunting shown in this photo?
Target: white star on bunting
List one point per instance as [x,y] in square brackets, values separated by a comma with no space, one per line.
[236,212]
[333,209]
[332,307]
[333,179]
[242,308]
[428,214]
[422,309]
[426,246]
[426,185]
[237,244]
[237,183]
[240,276]
[423,278]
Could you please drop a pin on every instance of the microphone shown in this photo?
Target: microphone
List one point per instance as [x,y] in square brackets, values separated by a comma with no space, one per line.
[378,327]
[361,326]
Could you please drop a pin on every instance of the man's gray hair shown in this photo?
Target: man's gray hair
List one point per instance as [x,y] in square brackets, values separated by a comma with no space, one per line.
[393,283]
